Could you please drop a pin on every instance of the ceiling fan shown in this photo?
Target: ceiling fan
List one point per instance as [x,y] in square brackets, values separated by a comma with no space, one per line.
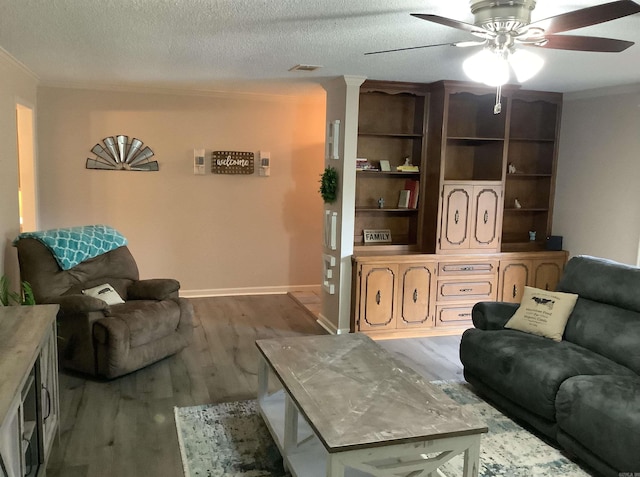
[508,22]
[502,25]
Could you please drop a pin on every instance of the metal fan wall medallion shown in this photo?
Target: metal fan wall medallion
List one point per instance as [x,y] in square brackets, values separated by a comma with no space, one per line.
[118,154]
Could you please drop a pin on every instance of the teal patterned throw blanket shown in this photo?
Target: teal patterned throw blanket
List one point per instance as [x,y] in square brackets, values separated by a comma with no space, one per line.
[73,245]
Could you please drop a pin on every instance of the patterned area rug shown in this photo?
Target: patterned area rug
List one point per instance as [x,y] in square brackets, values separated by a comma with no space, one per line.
[231,440]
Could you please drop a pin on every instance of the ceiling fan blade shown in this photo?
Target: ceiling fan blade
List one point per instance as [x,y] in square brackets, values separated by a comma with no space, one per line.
[587,16]
[468,27]
[410,48]
[585,43]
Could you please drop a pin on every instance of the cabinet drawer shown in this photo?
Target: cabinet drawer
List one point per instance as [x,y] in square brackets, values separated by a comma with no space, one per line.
[466,290]
[453,315]
[486,267]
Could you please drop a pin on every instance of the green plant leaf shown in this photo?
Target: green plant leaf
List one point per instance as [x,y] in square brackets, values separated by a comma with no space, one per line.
[4,291]
[28,297]
[329,185]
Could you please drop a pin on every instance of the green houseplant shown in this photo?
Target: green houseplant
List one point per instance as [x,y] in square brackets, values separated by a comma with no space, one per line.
[7,297]
[329,185]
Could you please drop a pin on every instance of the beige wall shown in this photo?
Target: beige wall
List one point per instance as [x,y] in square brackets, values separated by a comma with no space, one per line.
[597,193]
[217,234]
[17,85]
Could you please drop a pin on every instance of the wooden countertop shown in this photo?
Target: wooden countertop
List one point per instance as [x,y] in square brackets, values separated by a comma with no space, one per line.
[22,331]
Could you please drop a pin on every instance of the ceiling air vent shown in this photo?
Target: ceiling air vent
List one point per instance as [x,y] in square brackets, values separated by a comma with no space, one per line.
[305,68]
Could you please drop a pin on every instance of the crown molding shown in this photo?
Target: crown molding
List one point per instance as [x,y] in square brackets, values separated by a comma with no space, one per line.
[600,92]
[310,90]
[8,59]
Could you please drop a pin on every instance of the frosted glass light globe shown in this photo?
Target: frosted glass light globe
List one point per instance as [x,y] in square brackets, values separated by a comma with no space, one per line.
[525,64]
[487,67]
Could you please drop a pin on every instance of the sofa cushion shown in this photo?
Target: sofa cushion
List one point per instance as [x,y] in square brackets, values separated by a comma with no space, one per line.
[146,320]
[607,330]
[602,413]
[529,369]
[602,280]
[543,313]
[606,318]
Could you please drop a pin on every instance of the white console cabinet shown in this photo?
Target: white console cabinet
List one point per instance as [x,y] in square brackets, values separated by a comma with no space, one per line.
[29,406]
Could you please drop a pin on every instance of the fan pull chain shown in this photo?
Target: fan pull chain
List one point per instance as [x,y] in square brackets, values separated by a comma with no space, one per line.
[497,109]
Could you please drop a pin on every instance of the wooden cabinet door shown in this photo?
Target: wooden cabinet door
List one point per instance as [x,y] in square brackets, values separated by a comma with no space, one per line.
[547,273]
[416,295]
[11,444]
[514,275]
[487,211]
[456,213]
[49,404]
[377,297]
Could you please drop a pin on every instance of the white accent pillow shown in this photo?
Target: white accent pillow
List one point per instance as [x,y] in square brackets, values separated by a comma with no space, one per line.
[543,313]
[105,293]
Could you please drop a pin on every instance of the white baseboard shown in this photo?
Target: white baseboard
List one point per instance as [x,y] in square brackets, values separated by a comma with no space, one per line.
[326,324]
[247,291]
[329,326]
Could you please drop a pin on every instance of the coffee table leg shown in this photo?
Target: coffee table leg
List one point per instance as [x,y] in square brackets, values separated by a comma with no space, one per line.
[290,428]
[335,468]
[263,379]
[472,459]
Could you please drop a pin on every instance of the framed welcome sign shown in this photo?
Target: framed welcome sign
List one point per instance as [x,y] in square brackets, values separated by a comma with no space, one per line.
[232,162]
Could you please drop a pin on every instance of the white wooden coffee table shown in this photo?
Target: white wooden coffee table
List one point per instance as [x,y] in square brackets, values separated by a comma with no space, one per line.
[347,407]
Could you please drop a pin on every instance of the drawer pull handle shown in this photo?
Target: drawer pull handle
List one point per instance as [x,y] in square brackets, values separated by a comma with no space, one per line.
[415,295]
[466,290]
[464,315]
[456,217]
[466,269]
[378,297]
[515,290]
[546,286]
[486,216]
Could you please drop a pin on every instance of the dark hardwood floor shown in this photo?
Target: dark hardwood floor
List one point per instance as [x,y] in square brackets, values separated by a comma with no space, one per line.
[125,427]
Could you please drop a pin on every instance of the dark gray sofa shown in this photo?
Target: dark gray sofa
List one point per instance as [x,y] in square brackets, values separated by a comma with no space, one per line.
[582,392]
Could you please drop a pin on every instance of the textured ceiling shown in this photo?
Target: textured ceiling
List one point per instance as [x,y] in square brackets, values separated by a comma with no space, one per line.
[249,45]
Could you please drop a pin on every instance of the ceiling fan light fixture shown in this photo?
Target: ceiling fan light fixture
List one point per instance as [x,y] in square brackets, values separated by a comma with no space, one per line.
[488,67]
[525,64]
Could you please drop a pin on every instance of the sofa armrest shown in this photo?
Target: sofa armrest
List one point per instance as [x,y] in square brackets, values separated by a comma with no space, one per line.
[489,315]
[77,303]
[153,289]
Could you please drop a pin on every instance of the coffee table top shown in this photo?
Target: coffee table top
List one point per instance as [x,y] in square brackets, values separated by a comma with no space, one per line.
[355,394]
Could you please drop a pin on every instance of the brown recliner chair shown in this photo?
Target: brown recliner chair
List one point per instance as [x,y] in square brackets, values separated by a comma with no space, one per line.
[108,340]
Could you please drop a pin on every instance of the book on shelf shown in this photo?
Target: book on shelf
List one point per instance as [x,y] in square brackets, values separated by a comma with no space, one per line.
[403,200]
[362,164]
[413,187]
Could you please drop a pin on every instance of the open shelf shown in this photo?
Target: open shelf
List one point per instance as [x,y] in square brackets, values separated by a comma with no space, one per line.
[534,119]
[523,210]
[391,127]
[521,175]
[386,210]
[390,134]
[472,141]
[391,114]
[471,115]
[309,459]
[385,174]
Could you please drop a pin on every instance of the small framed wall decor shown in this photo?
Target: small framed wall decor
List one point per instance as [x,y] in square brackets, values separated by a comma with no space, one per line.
[377,236]
[232,162]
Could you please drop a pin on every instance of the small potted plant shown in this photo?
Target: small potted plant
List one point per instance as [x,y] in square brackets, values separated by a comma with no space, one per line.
[24,297]
[329,185]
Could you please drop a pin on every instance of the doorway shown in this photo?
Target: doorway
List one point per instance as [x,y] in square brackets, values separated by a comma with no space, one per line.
[26,168]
